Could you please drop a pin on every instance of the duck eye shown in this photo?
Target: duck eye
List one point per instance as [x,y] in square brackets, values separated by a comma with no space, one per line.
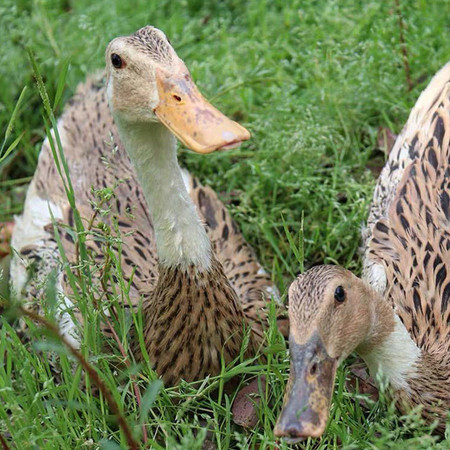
[116,61]
[339,294]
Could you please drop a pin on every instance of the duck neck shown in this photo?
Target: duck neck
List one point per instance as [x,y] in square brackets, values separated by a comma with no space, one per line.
[181,239]
[388,350]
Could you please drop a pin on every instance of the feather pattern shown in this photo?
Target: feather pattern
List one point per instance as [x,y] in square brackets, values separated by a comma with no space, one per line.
[97,160]
[409,238]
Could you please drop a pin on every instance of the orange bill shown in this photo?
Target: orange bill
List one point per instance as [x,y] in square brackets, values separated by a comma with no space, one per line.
[194,121]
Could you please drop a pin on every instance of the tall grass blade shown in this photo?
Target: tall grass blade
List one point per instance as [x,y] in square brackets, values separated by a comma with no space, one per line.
[10,127]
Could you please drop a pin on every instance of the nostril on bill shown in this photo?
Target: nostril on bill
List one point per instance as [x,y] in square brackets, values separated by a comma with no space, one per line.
[292,431]
[293,434]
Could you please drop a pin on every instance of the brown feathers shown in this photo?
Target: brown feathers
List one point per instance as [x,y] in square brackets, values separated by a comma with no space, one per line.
[410,224]
[413,242]
[184,338]
[153,42]
[193,319]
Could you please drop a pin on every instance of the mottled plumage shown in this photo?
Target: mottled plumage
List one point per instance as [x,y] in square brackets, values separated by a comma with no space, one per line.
[411,240]
[191,321]
[146,40]
[186,311]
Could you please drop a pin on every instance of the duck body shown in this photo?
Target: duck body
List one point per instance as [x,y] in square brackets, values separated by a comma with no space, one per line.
[408,243]
[398,317]
[181,253]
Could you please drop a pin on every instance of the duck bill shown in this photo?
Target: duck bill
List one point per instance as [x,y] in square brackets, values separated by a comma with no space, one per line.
[308,394]
[193,120]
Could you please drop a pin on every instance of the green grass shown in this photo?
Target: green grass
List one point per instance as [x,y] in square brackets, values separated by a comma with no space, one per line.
[313,81]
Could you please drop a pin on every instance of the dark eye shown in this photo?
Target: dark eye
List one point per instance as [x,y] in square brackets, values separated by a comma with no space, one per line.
[339,294]
[116,61]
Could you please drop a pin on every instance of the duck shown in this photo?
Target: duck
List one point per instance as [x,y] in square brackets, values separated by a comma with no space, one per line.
[183,259]
[397,317]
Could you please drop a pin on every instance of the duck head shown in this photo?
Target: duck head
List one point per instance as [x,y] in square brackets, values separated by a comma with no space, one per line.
[329,316]
[147,82]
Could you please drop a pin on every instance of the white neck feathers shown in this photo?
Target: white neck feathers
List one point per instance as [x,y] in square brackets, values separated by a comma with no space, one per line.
[395,358]
[181,238]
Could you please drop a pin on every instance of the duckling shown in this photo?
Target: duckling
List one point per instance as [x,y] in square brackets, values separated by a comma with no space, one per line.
[181,253]
[398,317]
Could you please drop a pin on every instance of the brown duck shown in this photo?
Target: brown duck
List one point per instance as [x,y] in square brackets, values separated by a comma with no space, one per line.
[398,319]
[181,252]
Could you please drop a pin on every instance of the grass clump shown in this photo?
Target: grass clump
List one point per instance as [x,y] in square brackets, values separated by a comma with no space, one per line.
[313,81]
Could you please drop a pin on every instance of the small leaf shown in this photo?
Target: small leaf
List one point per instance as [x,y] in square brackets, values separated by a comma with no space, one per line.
[11,147]
[61,84]
[50,290]
[106,444]
[149,398]
[273,349]
[52,345]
